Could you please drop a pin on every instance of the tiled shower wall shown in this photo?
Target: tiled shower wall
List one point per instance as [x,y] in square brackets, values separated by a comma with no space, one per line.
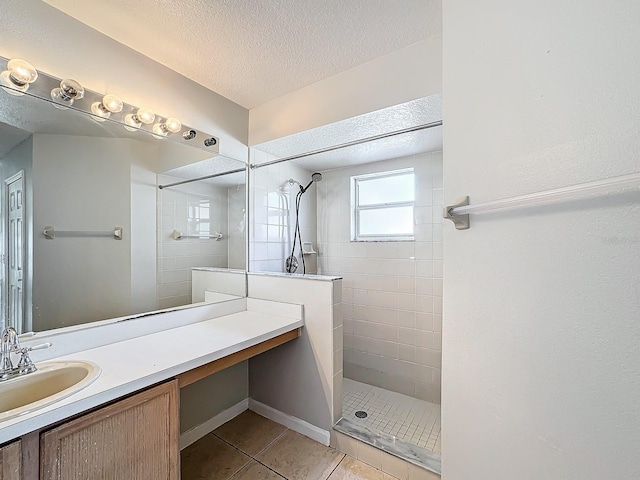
[176,257]
[392,291]
[273,215]
[237,198]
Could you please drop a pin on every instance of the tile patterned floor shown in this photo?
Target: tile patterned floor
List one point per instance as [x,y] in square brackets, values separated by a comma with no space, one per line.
[250,447]
[407,418]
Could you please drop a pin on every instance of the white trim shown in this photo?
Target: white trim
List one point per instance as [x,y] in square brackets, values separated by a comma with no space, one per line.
[199,431]
[294,423]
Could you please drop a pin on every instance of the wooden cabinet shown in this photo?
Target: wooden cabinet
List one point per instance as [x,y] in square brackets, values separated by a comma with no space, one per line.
[11,461]
[132,439]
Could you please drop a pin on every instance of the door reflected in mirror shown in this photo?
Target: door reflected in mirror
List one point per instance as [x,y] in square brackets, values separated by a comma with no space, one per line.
[83,181]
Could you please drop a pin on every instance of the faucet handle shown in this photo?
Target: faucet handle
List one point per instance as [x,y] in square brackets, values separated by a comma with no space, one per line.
[42,346]
[25,364]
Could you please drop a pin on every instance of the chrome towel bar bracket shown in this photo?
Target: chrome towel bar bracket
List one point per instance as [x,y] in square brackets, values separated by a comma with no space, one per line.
[461,221]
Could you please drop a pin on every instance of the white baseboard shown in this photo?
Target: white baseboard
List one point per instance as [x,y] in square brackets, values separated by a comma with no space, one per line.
[199,431]
[295,424]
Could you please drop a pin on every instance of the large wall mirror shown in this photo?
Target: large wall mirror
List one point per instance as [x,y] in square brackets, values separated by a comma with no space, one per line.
[88,235]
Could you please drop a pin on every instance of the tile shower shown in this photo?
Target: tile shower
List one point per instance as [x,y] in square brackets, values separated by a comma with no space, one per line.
[392,291]
[391,305]
[392,294]
[192,208]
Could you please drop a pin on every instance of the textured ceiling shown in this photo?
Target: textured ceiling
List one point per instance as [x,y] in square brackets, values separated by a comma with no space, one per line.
[253,51]
[398,117]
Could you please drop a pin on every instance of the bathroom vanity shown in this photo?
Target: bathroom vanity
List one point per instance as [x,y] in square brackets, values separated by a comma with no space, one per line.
[126,423]
[136,437]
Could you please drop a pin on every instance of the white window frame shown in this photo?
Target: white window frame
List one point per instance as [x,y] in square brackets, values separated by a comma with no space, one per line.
[196,220]
[356,208]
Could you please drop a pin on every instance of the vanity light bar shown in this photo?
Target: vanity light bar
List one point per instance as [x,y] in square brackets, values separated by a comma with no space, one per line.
[19,77]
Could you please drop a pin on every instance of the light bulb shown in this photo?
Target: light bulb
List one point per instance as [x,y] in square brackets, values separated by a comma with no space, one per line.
[171,124]
[158,131]
[189,134]
[17,77]
[143,115]
[100,113]
[110,104]
[22,71]
[132,122]
[65,95]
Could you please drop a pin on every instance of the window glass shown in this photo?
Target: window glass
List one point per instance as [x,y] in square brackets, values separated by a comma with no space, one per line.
[396,188]
[387,221]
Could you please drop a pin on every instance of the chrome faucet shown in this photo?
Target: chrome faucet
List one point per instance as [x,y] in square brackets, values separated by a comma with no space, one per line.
[9,344]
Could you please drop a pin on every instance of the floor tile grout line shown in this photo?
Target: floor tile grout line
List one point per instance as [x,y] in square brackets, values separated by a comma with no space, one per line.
[270,468]
[344,455]
[231,445]
[246,453]
[240,469]
[281,475]
[271,444]
[251,457]
[236,448]
[260,463]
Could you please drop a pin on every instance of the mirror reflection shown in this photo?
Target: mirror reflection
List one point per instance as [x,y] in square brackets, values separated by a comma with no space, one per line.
[87,235]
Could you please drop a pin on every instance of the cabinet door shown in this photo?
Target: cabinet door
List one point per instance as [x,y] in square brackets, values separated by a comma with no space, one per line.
[11,462]
[133,439]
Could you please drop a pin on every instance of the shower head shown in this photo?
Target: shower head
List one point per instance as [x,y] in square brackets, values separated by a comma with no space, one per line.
[315,178]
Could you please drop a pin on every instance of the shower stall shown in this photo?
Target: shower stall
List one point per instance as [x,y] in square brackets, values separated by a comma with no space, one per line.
[375,220]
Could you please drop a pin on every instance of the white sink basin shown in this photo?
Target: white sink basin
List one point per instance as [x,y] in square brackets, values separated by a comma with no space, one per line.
[52,382]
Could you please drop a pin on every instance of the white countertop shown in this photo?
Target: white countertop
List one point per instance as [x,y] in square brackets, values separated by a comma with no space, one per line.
[131,365]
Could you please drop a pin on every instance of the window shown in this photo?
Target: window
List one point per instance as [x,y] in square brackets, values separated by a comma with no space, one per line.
[199,220]
[382,206]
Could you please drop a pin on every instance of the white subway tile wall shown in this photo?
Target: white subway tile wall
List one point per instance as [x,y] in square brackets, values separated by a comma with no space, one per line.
[273,215]
[220,209]
[392,291]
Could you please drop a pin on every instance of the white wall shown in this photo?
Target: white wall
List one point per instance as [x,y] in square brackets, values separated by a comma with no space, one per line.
[217,284]
[406,74]
[392,291]
[273,215]
[541,305]
[62,46]
[143,237]
[78,280]
[301,378]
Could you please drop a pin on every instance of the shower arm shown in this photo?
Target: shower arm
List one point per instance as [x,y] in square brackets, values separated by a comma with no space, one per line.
[304,189]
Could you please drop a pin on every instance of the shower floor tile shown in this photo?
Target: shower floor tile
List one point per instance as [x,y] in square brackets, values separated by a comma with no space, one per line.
[407,418]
